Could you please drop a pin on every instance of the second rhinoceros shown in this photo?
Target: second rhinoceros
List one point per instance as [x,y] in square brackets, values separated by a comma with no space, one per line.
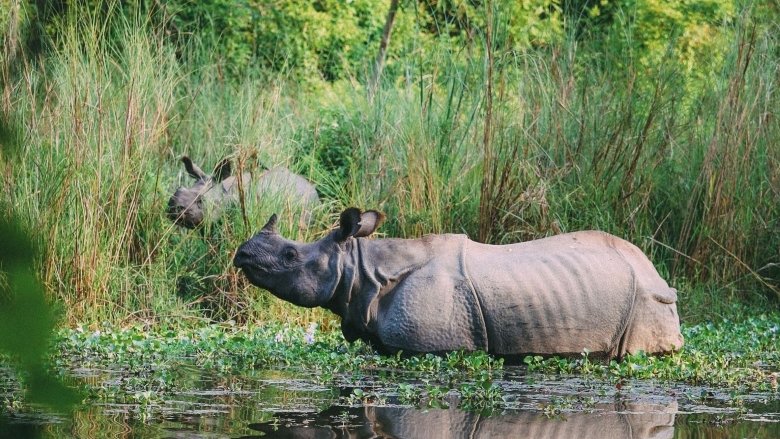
[559,295]
[211,194]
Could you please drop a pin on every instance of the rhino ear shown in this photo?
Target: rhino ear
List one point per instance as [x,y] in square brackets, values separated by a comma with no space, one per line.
[270,226]
[369,222]
[349,223]
[223,170]
[193,169]
[356,224]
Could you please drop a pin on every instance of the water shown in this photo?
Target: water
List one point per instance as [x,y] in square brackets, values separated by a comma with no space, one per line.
[289,404]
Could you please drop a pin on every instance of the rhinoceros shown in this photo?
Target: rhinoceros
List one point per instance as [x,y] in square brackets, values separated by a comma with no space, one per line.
[563,294]
[210,195]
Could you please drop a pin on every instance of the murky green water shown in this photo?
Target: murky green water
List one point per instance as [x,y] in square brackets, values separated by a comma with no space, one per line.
[290,404]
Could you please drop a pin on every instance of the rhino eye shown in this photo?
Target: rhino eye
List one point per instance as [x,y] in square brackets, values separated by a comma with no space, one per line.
[290,254]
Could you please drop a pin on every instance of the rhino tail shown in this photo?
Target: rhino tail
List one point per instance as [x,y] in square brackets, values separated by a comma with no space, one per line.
[667,297]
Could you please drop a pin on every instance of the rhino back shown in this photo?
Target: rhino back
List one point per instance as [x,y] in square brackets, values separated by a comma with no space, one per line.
[561,294]
[280,181]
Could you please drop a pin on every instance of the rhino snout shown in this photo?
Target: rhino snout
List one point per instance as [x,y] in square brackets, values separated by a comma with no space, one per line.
[242,258]
[246,261]
[174,211]
[183,217]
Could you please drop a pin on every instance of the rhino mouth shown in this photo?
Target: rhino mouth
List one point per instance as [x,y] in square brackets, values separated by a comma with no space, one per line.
[241,259]
[244,263]
[181,217]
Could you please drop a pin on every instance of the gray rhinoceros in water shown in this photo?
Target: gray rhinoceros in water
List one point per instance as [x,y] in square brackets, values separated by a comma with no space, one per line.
[210,195]
[558,295]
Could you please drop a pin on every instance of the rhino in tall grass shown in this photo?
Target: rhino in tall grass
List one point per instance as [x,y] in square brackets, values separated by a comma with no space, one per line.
[211,195]
[558,295]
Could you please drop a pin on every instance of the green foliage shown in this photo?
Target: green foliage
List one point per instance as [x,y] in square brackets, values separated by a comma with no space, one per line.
[482,394]
[153,359]
[526,22]
[582,136]
[653,120]
[333,144]
[230,348]
[736,355]
[692,26]
[224,26]
[690,36]
[329,39]
[26,316]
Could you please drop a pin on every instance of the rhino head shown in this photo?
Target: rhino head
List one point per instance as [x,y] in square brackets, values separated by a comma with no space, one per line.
[190,206]
[305,274]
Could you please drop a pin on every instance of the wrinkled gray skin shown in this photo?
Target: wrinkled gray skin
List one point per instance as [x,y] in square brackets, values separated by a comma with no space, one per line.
[211,195]
[557,295]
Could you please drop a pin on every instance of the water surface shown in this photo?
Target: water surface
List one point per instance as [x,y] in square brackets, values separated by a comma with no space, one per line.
[292,404]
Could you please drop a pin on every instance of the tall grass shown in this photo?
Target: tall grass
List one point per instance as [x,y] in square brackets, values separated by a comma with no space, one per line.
[104,126]
[576,139]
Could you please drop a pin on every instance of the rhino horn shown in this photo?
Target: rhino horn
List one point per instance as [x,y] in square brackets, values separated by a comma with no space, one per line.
[270,226]
[193,169]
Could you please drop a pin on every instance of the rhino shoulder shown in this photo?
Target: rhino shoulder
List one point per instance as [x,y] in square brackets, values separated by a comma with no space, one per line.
[445,237]
[230,184]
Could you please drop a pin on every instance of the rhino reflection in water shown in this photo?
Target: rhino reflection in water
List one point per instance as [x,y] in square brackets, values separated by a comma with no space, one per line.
[558,295]
[211,194]
[641,421]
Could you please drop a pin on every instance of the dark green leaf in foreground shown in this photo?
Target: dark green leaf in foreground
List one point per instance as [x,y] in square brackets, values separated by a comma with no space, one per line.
[26,320]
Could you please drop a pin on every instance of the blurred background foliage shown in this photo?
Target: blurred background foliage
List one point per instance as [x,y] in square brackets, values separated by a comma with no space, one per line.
[330,40]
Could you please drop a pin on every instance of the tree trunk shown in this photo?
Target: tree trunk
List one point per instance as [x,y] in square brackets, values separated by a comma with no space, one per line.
[379,65]
[486,214]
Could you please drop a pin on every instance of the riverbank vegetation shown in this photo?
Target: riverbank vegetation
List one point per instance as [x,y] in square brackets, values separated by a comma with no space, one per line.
[734,357]
[508,121]
[234,377]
